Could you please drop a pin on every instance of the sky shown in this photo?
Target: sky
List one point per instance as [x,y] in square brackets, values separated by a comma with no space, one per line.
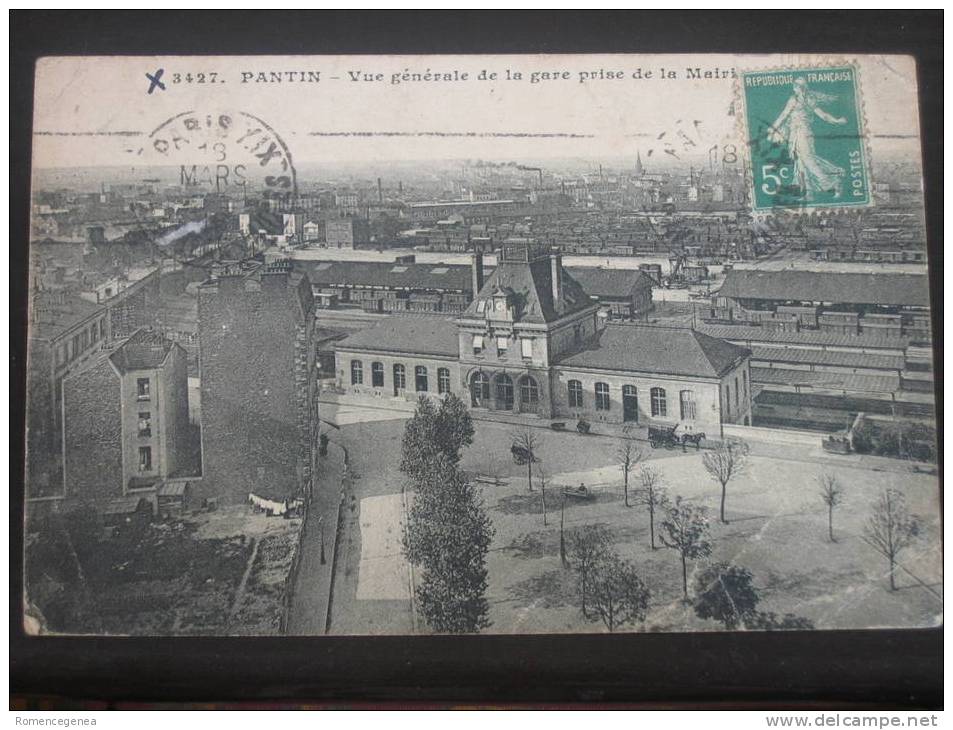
[98,111]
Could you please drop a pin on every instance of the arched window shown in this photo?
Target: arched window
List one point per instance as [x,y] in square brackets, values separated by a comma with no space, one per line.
[575,394]
[357,372]
[377,374]
[686,401]
[479,390]
[659,406]
[602,396]
[443,380]
[420,379]
[400,377]
[529,393]
[504,392]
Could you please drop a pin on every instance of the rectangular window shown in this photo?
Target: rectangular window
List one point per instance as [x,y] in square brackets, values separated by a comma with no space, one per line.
[687,402]
[575,394]
[145,423]
[501,345]
[145,458]
[727,398]
[420,379]
[526,347]
[659,402]
[357,372]
[443,380]
[142,388]
[602,396]
[477,344]
[377,374]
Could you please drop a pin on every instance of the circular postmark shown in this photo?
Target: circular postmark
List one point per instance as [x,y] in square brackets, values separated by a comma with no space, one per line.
[217,150]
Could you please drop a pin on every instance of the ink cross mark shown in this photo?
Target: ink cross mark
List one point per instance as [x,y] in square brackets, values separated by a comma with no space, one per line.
[154,80]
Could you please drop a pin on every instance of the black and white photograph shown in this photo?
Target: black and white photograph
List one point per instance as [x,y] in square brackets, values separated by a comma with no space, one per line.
[401,345]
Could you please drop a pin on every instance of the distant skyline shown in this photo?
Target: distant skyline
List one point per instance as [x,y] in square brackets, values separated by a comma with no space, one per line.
[97,112]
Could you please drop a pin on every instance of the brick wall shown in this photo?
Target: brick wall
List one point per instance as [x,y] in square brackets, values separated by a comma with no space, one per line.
[257,370]
[93,433]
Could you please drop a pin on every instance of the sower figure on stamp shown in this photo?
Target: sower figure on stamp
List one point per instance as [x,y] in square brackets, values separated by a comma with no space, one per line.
[793,128]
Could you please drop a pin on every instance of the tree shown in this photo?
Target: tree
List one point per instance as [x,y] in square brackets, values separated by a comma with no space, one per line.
[833,495]
[526,442]
[541,481]
[724,463]
[587,548]
[685,530]
[652,495]
[619,595]
[448,534]
[724,592]
[891,528]
[447,531]
[433,431]
[628,456]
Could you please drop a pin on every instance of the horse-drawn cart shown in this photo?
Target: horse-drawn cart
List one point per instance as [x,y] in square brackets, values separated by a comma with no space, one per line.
[666,436]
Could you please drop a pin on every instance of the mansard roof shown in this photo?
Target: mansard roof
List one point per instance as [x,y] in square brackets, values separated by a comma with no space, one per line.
[407,333]
[531,284]
[663,350]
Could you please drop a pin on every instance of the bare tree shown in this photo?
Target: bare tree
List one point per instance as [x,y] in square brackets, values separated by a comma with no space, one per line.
[628,455]
[833,495]
[724,463]
[526,443]
[685,530]
[541,481]
[891,528]
[653,496]
[588,547]
[619,595]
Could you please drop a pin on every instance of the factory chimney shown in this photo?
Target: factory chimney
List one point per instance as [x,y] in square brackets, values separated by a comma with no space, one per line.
[477,272]
[556,274]
[380,191]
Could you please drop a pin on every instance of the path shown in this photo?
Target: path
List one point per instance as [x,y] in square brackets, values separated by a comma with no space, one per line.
[240,591]
[309,603]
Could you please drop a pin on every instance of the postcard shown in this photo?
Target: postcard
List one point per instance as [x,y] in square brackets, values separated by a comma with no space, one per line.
[366,345]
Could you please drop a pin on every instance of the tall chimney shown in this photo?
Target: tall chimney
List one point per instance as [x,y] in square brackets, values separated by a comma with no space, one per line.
[477,272]
[380,191]
[556,274]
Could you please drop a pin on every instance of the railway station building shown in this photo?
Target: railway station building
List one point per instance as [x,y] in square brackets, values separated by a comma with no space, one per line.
[533,341]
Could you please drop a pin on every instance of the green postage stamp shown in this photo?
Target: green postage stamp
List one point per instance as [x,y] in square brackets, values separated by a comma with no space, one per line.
[806,141]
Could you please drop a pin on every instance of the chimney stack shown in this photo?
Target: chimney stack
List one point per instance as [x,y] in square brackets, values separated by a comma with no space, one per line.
[380,191]
[477,272]
[556,274]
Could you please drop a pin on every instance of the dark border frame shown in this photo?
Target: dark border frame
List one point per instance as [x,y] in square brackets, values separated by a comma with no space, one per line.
[797,670]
